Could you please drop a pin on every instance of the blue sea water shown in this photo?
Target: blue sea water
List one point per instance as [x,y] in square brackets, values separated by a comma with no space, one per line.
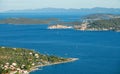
[98,52]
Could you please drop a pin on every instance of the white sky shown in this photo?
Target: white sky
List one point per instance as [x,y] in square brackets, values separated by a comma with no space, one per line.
[37,4]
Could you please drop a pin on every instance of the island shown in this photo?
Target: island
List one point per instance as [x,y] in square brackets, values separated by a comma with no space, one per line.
[23,61]
[27,21]
[100,25]
[100,22]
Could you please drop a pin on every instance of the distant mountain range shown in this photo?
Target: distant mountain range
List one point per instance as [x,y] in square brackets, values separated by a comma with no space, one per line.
[62,10]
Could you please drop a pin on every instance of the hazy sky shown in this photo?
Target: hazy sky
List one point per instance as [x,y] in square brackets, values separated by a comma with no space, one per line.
[37,4]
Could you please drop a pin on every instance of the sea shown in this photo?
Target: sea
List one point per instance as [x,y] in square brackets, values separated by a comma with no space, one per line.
[98,51]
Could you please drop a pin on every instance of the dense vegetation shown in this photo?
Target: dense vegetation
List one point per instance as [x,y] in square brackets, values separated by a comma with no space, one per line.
[110,24]
[100,22]
[12,59]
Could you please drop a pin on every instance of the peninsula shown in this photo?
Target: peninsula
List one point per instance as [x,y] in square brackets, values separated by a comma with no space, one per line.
[23,61]
[93,22]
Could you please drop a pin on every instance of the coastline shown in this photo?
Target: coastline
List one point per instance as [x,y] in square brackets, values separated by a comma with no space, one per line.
[32,56]
[38,66]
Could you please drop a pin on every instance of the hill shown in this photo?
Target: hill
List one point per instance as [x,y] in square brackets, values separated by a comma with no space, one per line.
[110,24]
[100,25]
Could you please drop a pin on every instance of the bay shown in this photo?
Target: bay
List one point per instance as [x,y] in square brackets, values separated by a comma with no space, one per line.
[98,51]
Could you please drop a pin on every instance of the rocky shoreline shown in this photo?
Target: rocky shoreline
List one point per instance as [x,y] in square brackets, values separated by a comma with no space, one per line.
[38,66]
[58,26]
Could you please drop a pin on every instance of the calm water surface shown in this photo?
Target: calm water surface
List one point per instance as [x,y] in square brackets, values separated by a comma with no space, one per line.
[99,52]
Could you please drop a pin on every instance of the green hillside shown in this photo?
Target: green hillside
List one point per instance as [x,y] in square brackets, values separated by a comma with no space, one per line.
[21,60]
[111,24]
